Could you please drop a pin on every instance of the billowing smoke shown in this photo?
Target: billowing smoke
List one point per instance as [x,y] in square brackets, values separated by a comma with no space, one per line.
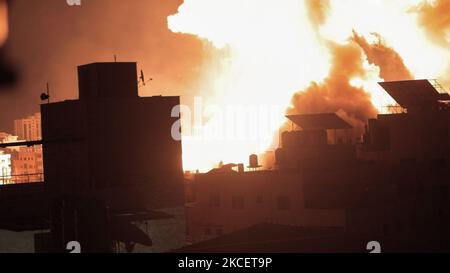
[391,64]
[256,52]
[335,93]
[434,17]
[280,47]
[317,11]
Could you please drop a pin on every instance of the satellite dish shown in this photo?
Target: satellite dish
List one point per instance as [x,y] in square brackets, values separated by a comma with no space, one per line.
[142,79]
[44,96]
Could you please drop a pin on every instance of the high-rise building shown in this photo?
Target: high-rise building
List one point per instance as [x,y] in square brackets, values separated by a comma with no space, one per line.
[111,151]
[114,141]
[29,128]
[27,162]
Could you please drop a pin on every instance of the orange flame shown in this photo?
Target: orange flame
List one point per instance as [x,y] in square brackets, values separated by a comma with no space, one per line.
[272,49]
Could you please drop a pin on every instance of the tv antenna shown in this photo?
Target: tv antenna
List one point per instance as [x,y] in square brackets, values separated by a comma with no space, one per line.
[142,80]
[46,95]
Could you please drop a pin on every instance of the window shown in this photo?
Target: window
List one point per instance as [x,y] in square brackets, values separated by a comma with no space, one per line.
[284,203]
[238,203]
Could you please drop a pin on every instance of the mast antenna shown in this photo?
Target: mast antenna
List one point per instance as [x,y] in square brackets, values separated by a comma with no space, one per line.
[46,95]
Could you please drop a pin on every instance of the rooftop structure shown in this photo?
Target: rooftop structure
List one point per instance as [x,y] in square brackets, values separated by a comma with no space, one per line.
[113,142]
[416,94]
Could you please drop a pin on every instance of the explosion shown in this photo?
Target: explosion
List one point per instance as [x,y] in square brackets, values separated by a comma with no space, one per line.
[303,56]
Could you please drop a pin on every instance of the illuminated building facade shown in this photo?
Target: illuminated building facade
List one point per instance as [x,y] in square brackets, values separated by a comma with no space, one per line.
[27,165]
[5,168]
[29,128]
[224,201]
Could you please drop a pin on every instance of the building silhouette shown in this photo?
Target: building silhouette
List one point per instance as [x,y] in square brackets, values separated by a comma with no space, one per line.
[111,140]
[110,162]
[391,187]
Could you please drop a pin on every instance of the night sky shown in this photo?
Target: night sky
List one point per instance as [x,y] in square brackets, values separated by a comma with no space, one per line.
[48,39]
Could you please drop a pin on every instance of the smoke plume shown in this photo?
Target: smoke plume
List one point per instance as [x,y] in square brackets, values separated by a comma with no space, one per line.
[391,64]
[335,93]
[435,19]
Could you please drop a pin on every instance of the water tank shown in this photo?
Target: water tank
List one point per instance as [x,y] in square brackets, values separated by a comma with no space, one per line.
[254,164]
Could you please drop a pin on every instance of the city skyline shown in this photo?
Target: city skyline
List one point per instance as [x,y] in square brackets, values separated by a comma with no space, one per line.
[225,126]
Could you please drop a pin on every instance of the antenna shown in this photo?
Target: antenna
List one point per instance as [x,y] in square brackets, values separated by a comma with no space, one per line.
[142,77]
[46,95]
